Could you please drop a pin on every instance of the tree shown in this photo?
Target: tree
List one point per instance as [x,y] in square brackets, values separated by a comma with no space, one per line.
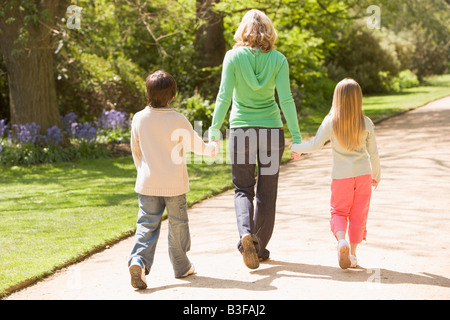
[209,38]
[209,41]
[26,41]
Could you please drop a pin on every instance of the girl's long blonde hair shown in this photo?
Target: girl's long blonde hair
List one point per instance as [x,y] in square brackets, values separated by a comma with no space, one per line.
[347,115]
[256,31]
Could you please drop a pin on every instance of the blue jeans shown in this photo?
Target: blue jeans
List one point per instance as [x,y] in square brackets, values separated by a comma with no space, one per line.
[151,209]
[248,147]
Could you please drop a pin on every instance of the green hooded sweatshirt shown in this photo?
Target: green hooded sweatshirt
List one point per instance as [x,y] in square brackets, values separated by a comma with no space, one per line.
[249,79]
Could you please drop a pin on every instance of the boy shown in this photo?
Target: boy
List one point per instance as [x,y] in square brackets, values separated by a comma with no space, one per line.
[159,137]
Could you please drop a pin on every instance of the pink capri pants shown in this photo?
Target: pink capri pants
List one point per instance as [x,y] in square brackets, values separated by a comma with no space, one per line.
[350,200]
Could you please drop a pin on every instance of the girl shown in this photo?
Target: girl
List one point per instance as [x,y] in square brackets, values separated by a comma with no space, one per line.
[251,72]
[356,166]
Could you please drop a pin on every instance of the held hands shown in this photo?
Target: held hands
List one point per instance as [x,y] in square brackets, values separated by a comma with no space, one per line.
[374,184]
[295,155]
[216,145]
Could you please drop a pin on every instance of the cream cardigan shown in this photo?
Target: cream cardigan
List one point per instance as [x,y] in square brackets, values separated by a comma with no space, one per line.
[159,139]
[346,164]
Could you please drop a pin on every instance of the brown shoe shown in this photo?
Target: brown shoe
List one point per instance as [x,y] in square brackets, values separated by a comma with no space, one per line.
[249,254]
[137,272]
[265,256]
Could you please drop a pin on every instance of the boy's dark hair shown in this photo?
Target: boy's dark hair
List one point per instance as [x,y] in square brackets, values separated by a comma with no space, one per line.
[161,89]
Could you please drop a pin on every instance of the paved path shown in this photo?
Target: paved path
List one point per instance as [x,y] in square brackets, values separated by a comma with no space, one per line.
[406,256]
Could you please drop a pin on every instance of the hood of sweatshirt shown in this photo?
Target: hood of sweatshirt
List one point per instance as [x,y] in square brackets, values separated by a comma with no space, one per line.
[257,67]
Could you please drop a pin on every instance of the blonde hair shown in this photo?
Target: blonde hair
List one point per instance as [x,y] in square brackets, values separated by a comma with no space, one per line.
[347,116]
[256,31]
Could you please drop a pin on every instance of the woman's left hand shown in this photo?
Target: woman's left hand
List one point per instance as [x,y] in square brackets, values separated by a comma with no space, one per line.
[295,155]
[374,184]
[218,146]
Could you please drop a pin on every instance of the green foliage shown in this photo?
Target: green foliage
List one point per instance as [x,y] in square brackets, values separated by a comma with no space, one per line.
[92,83]
[114,136]
[310,85]
[404,79]
[93,71]
[196,108]
[29,154]
[424,27]
[415,36]
[361,57]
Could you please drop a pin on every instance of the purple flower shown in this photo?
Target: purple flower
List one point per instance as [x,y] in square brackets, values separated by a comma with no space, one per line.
[27,133]
[54,135]
[113,120]
[84,131]
[73,129]
[68,120]
[3,128]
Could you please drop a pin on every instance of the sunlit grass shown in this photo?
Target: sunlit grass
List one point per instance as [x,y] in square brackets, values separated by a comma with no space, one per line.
[52,214]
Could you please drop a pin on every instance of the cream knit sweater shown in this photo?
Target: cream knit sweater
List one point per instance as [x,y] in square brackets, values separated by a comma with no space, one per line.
[159,139]
[346,164]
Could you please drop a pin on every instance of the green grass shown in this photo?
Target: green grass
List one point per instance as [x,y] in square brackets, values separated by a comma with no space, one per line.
[52,215]
[381,106]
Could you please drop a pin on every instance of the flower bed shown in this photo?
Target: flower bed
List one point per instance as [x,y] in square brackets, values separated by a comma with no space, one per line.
[26,144]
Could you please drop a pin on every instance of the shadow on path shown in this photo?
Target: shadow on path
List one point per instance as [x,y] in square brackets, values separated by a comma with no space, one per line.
[358,274]
[283,269]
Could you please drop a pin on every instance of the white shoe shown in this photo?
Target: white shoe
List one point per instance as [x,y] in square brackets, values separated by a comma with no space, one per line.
[343,250]
[190,271]
[137,272]
[354,261]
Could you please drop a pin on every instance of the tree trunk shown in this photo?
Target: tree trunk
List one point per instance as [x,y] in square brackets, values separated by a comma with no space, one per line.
[209,38]
[32,90]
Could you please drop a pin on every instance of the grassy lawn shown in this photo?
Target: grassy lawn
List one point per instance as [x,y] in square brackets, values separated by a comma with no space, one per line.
[52,215]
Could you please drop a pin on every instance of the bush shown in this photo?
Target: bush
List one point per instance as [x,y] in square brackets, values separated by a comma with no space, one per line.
[311,88]
[361,57]
[404,79]
[407,79]
[196,108]
[90,82]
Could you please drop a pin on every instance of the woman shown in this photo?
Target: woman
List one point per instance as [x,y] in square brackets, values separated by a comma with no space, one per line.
[251,72]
